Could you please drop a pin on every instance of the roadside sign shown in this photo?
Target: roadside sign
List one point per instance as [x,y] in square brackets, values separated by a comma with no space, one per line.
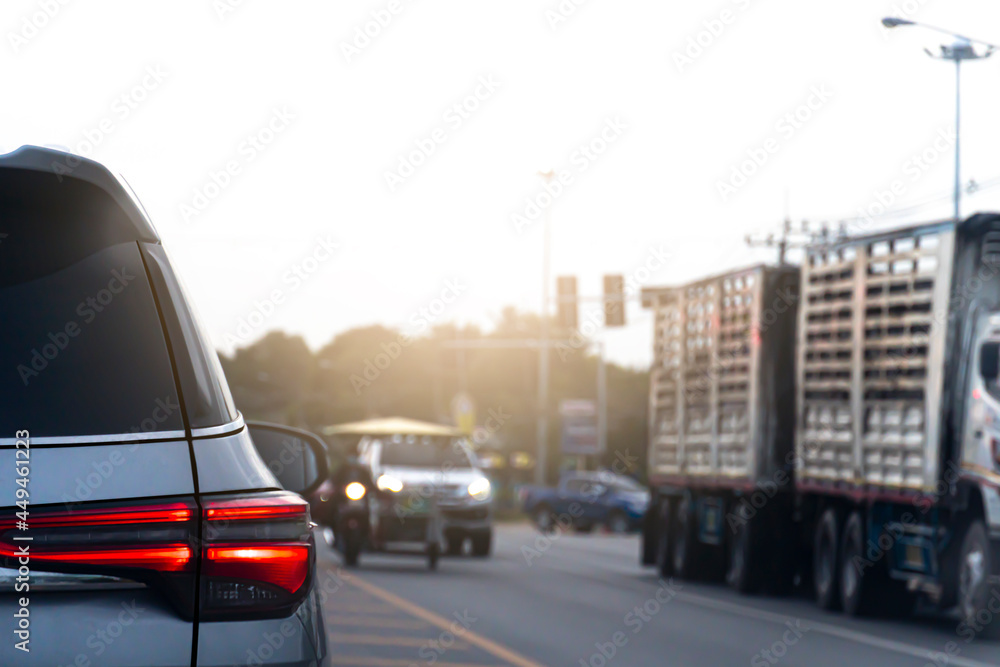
[463,411]
[579,427]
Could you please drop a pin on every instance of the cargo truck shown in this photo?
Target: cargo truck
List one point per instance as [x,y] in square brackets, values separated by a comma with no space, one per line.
[836,424]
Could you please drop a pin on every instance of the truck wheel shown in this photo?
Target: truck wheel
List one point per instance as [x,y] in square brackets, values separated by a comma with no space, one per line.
[826,560]
[685,538]
[543,519]
[743,573]
[664,543]
[649,550]
[482,543]
[858,582]
[974,594]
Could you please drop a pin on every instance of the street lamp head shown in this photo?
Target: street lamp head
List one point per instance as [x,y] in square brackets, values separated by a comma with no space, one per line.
[893,22]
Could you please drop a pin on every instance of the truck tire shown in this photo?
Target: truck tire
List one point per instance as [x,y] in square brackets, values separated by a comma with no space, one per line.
[826,560]
[685,541]
[664,542]
[859,579]
[745,567]
[649,551]
[974,591]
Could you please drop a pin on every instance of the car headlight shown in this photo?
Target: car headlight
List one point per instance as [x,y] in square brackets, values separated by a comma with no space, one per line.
[389,483]
[480,489]
[355,491]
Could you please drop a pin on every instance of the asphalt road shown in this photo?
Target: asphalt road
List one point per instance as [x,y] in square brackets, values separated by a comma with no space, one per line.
[584,600]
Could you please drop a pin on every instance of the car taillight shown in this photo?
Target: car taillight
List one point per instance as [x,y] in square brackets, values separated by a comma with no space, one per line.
[255,553]
[258,555]
[151,543]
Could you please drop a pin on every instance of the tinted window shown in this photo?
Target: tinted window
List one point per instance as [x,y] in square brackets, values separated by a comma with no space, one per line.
[424,455]
[82,351]
[206,393]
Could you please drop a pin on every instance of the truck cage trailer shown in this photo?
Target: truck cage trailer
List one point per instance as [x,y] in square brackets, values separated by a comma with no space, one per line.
[835,424]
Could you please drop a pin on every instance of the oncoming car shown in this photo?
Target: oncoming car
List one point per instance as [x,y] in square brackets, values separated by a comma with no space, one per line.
[429,488]
[140,523]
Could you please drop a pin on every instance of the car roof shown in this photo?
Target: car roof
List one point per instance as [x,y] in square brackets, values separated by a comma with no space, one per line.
[74,167]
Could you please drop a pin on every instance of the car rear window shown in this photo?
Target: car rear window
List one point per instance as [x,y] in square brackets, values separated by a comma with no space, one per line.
[82,351]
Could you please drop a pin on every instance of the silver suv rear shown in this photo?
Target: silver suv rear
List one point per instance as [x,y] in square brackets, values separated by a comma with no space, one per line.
[139,525]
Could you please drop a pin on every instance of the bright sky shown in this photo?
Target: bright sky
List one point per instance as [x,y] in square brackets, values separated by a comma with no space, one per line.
[308,118]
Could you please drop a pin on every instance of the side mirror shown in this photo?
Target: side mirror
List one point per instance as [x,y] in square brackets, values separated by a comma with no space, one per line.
[989,361]
[296,457]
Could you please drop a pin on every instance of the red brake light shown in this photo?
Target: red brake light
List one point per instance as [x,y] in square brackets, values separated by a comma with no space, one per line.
[166,513]
[162,559]
[259,554]
[65,537]
[265,507]
[284,565]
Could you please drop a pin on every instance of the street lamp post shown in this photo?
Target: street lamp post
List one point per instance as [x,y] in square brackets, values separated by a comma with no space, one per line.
[959,50]
[543,350]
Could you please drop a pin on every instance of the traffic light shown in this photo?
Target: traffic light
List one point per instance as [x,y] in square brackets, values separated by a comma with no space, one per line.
[614,301]
[566,289]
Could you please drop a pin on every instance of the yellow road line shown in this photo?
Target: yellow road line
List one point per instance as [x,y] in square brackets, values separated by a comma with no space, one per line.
[380,640]
[376,622]
[365,661]
[487,645]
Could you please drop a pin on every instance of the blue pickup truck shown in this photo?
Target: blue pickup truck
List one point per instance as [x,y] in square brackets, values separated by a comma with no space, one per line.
[588,499]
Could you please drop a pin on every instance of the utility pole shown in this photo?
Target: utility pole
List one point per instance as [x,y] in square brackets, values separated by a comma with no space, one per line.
[543,351]
[791,239]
